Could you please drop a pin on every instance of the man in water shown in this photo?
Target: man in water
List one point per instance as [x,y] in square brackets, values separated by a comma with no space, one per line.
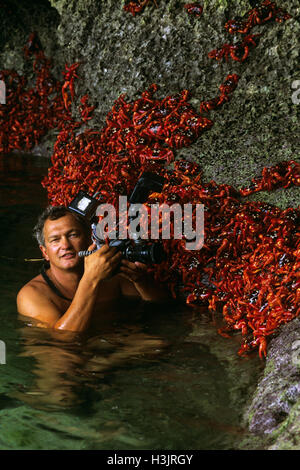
[71,290]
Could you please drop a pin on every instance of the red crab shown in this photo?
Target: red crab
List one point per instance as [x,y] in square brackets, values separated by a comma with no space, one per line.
[194,8]
[69,75]
[136,6]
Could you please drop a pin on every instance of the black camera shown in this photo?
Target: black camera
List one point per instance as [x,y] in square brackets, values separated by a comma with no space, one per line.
[136,249]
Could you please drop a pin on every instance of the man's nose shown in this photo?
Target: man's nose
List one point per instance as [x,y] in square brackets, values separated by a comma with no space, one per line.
[65,242]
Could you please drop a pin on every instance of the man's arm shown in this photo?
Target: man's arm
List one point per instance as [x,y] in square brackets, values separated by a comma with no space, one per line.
[144,285]
[32,302]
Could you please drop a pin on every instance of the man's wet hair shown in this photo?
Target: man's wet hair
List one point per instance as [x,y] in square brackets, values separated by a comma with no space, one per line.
[54,213]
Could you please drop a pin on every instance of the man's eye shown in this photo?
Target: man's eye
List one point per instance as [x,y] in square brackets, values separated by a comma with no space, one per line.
[54,240]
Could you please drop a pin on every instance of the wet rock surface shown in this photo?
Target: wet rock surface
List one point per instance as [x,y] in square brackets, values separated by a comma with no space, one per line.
[274,411]
[259,127]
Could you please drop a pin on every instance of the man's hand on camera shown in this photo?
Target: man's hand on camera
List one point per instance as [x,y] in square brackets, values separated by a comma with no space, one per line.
[103,263]
[147,288]
[135,272]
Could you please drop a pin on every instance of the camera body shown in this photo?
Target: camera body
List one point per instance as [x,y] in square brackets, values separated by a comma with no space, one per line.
[147,252]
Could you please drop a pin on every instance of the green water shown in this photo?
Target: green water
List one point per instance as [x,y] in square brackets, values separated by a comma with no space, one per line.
[151,380]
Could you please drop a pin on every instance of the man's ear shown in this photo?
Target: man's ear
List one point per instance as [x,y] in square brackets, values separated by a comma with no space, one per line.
[44,251]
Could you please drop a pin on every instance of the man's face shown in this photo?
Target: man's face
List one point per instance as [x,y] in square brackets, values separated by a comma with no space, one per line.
[64,237]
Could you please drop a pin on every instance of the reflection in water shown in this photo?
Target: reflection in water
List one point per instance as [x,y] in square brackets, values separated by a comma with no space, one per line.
[66,363]
[140,384]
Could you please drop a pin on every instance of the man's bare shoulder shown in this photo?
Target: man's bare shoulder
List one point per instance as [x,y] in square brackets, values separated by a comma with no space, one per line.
[35,286]
[34,300]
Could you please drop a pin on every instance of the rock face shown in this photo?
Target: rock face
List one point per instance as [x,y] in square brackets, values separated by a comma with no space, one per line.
[274,414]
[120,53]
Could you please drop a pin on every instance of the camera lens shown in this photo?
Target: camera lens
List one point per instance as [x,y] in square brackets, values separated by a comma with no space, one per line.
[145,253]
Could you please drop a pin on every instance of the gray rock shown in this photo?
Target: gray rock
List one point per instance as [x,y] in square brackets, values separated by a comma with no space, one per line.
[274,411]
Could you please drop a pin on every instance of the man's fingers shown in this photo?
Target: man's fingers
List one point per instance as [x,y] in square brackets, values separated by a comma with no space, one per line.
[141,266]
[108,251]
[116,257]
[136,265]
[123,269]
[131,274]
[105,248]
[92,247]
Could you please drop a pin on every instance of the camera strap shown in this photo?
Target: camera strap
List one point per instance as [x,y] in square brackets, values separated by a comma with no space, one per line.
[52,285]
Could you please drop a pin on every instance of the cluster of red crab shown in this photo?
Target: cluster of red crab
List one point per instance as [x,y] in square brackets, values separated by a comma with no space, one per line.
[226,90]
[143,132]
[267,11]
[137,6]
[249,264]
[30,112]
